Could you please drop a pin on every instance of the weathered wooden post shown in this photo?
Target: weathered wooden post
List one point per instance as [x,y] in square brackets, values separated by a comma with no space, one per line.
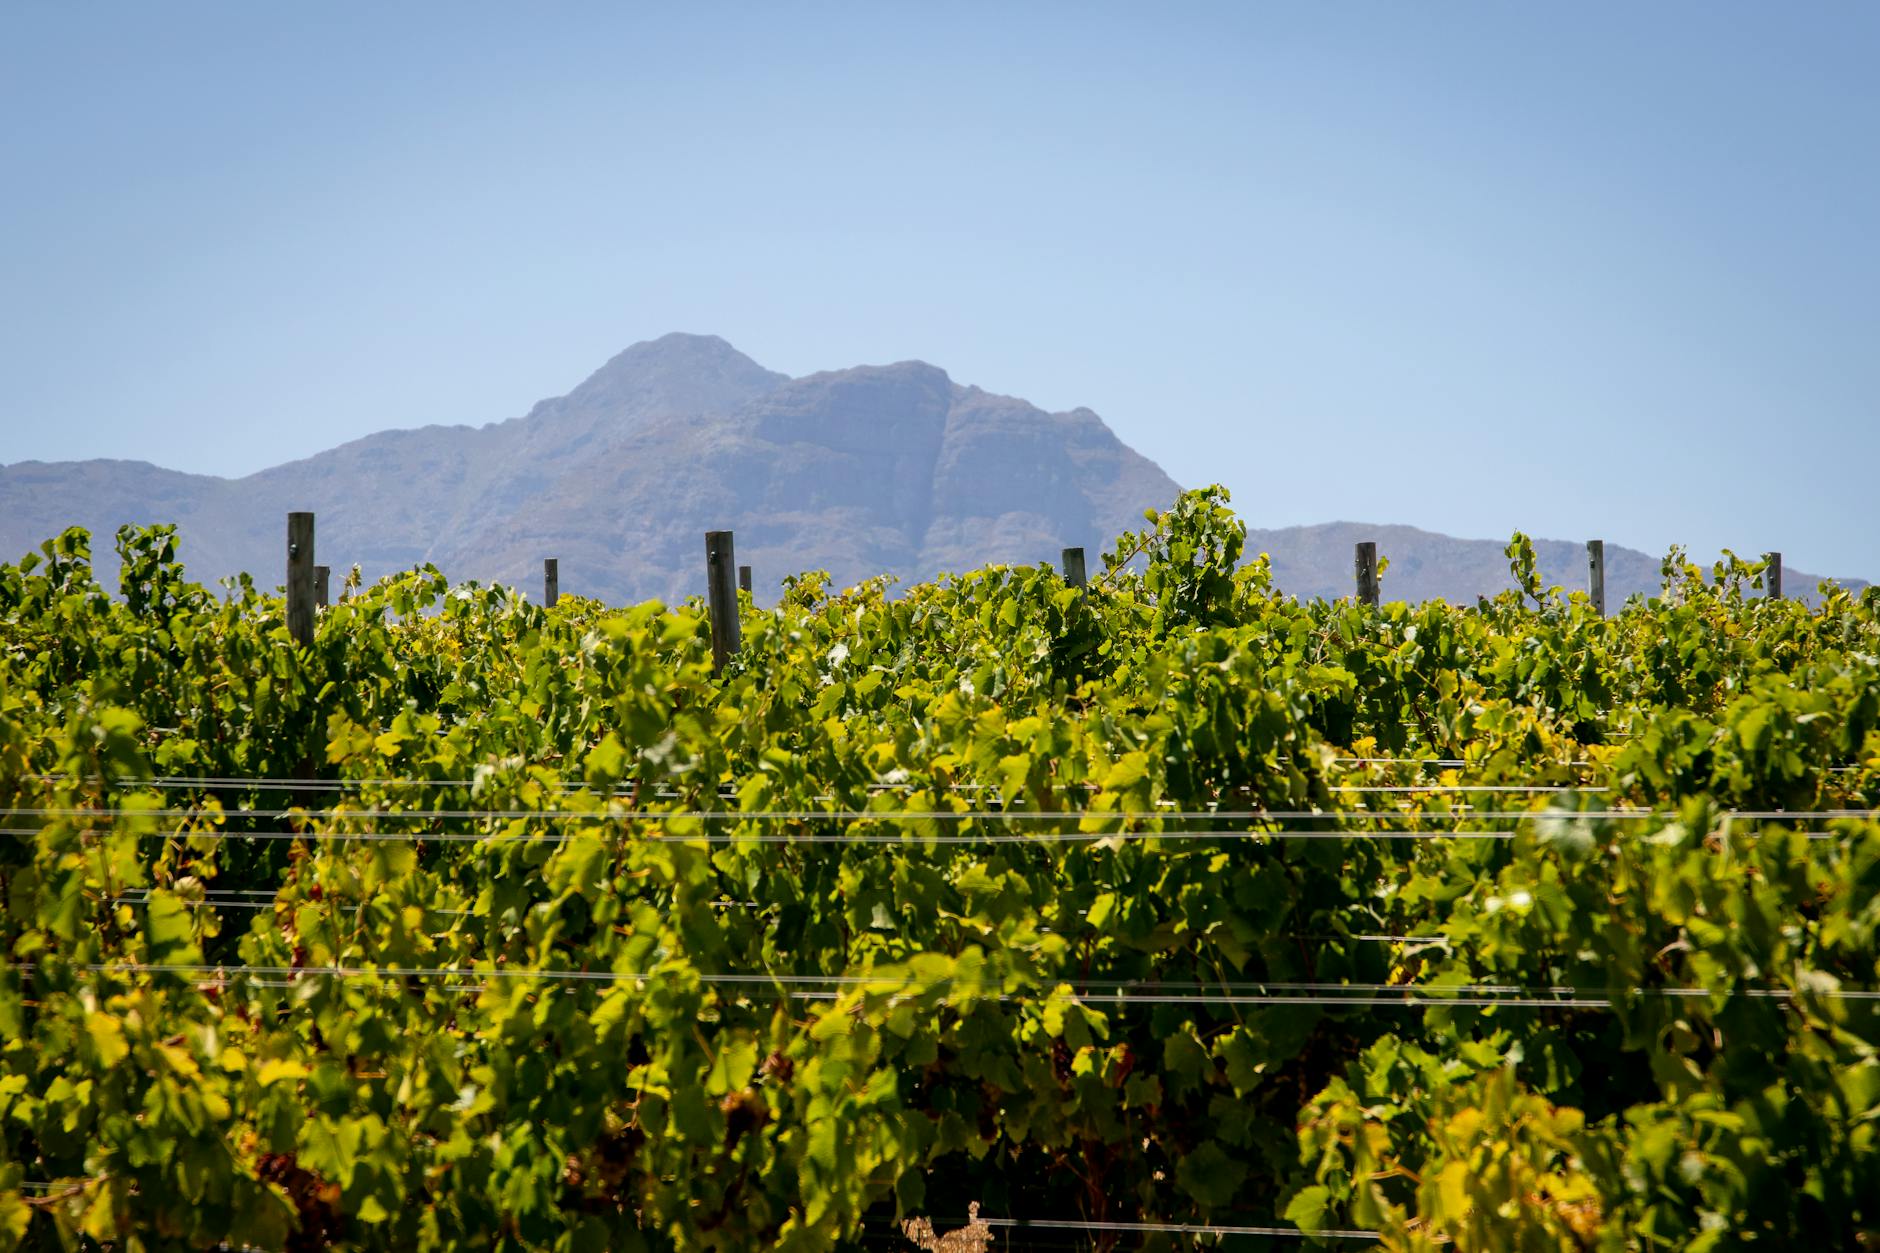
[322,580]
[744,579]
[1074,567]
[551,581]
[721,573]
[300,577]
[1772,578]
[1596,574]
[1366,561]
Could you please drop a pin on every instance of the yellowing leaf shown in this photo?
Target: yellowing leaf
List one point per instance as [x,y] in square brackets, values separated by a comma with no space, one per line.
[101,1219]
[107,1037]
[1453,1186]
[275,1069]
[14,1215]
[179,1060]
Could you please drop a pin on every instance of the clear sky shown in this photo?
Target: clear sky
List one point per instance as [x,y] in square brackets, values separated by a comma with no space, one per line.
[1581,269]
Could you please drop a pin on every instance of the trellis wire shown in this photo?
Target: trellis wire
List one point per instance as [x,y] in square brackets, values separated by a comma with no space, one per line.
[1194,1229]
[903,838]
[911,840]
[268,899]
[1146,992]
[1188,1229]
[1047,1224]
[920,815]
[288,781]
[908,839]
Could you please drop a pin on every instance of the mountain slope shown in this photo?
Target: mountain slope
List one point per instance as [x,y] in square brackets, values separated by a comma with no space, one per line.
[859,472]
[862,471]
[877,469]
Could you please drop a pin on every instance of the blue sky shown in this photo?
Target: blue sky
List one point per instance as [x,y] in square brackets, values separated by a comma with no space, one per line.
[1584,270]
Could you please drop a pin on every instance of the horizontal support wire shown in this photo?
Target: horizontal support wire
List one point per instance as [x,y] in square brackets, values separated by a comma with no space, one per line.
[269,904]
[911,839]
[921,815]
[1046,1224]
[285,782]
[526,772]
[905,838]
[289,781]
[1470,788]
[902,840]
[787,815]
[1190,1229]
[268,899]
[1144,992]
[259,784]
[1149,1228]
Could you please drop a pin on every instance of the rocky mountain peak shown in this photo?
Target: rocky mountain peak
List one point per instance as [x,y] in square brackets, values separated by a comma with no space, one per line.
[679,370]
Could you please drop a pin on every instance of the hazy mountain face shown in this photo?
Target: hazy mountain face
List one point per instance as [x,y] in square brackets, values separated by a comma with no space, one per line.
[879,469]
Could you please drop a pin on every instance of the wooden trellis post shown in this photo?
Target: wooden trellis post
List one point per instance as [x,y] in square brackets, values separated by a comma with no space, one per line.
[551,581]
[1596,574]
[1365,560]
[300,577]
[721,573]
[1074,567]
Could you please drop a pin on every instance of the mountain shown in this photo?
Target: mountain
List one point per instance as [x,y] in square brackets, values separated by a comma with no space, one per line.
[875,469]
[880,468]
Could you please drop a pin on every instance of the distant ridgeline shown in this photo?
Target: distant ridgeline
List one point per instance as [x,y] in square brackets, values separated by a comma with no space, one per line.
[879,469]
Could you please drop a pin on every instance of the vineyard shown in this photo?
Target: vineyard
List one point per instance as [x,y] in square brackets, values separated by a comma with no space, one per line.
[1163,912]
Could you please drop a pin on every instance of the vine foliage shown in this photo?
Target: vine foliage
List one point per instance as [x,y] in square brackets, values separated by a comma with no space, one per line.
[574,945]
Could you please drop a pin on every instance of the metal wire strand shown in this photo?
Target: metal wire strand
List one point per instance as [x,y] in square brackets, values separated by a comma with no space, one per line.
[1126,991]
[902,838]
[920,815]
[1188,1229]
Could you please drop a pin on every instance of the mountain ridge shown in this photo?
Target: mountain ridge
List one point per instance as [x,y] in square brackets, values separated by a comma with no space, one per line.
[871,469]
